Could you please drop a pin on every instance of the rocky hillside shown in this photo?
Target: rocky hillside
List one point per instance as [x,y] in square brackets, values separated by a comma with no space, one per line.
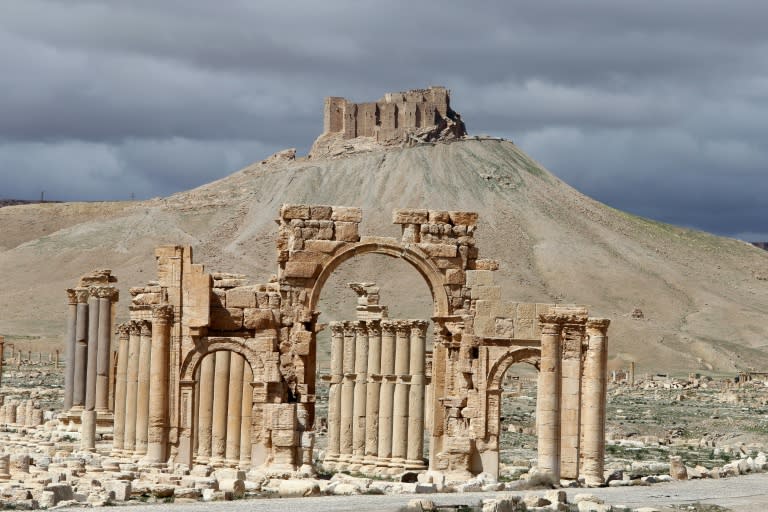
[704,299]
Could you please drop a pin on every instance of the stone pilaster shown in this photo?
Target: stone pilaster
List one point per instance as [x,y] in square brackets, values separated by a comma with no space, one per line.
[415,449]
[121,387]
[157,431]
[593,402]
[205,407]
[142,390]
[548,397]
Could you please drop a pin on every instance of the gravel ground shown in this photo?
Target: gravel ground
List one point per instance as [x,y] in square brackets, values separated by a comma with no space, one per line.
[744,494]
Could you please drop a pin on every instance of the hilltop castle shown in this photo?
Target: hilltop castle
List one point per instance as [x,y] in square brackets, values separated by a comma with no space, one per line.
[394,117]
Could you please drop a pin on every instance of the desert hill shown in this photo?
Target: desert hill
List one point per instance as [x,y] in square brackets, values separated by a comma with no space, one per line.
[704,299]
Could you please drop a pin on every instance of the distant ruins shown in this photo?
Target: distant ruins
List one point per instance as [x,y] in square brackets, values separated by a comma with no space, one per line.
[213,371]
[399,118]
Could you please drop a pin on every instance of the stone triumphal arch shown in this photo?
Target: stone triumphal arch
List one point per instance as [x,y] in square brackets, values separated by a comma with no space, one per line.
[203,346]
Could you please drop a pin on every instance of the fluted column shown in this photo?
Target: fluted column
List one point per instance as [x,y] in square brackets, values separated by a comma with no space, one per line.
[220,399]
[121,387]
[593,402]
[387,395]
[205,407]
[107,295]
[346,436]
[548,397]
[157,425]
[400,414]
[70,344]
[415,449]
[372,393]
[81,349]
[234,407]
[361,383]
[142,391]
[570,396]
[245,417]
[132,382]
[334,391]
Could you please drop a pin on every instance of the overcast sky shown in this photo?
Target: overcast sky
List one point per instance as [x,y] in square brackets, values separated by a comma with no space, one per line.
[657,108]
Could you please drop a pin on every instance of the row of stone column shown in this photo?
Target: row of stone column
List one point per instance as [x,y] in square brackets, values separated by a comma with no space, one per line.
[25,412]
[141,387]
[376,396]
[224,404]
[88,346]
[571,397]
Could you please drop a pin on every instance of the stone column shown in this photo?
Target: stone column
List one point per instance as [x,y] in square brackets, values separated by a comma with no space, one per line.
[121,388]
[415,450]
[81,349]
[334,392]
[593,402]
[70,346]
[361,383]
[372,393]
[245,417]
[205,407]
[400,414]
[93,348]
[234,407]
[132,383]
[570,396]
[220,399]
[548,397]
[106,295]
[387,396]
[347,395]
[157,424]
[142,390]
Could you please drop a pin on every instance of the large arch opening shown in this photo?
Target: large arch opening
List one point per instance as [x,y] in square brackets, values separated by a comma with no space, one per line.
[402,293]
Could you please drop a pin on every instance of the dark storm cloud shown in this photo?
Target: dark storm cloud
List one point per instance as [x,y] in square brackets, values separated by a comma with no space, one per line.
[657,108]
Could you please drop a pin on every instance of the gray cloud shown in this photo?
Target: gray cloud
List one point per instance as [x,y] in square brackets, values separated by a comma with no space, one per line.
[659,109]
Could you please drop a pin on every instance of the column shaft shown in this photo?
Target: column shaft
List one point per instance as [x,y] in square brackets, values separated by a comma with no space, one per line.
[81,352]
[70,344]
[347,396]
[570,397]
[157,425]
[142,390]
[548,397]
[415,449]
[220,399]
[234,406]
[205,407]
[93,348]
[387,395]
[334,392]
[373,391]
[593,402]
[121,387]
[132,382]
[361,382]
[103,356]
[400,414]
[245,416]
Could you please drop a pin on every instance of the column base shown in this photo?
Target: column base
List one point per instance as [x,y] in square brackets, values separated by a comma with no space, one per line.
[414,465]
